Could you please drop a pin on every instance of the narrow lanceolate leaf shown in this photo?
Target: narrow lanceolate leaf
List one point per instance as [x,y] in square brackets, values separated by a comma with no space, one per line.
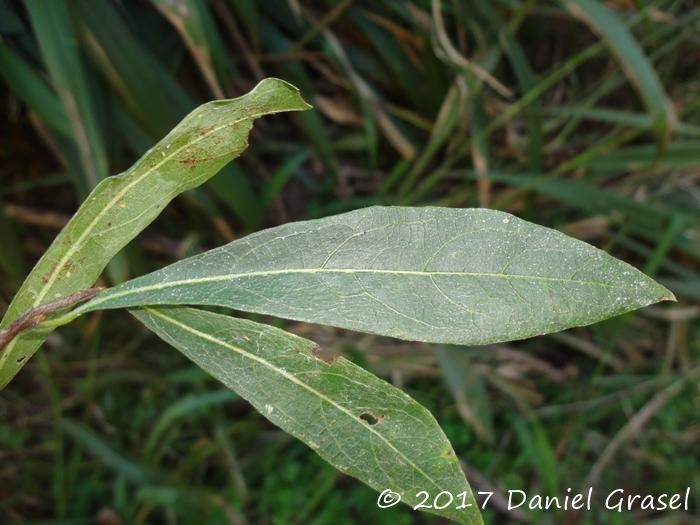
[56,36]
[33,91]
[194,22]
[603,21]
[120,207]
[358,423]
[466,276]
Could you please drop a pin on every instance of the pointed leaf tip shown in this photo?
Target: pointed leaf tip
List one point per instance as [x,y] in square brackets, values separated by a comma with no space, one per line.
[359,423]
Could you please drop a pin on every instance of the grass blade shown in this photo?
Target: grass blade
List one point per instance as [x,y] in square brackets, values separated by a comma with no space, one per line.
[632,59]
[194,23]
[58,43]
[33,91]
[149,92]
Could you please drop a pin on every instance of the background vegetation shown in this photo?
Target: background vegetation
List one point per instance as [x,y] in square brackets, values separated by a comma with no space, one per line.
[583,117]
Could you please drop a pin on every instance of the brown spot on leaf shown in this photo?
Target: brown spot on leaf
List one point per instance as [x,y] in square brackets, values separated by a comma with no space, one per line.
[449,454]
[45,278]
[192,160]
[189,161]
[318,353]
[68,268]
[205,131]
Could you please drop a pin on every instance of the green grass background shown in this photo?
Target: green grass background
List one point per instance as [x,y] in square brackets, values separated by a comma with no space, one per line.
[582,116]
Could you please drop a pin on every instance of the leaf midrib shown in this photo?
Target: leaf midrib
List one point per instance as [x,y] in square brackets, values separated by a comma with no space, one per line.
[109,296]
[79,243]
[294,380]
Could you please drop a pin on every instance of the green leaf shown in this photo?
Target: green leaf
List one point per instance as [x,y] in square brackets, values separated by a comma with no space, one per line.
[603,21]
[120,207]
[98,447]
[357,422]
[193,21]
[190,404]
[464,276]
[57,40]
[468,387]
[150,93]
[29,87]
[645,219]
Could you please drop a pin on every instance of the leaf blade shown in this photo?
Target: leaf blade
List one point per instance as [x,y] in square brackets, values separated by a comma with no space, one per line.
[472,276]
[120,207]
[321,403]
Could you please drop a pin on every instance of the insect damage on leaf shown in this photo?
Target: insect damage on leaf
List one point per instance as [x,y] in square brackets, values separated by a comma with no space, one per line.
[324,356]
[123,205]
[371,419]
[359,423]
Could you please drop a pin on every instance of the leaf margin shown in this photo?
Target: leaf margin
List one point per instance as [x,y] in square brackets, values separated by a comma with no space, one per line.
[306,351]
[56,274]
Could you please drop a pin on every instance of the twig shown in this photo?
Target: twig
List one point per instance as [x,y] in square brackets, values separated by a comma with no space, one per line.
[156,244]
[26,215]
[31,318]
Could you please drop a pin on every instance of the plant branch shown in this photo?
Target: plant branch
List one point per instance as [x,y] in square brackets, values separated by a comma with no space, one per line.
[31,318]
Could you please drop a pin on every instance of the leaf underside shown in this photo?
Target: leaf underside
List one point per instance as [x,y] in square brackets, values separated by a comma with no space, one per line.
[121,206]
[357,422]
[464,276]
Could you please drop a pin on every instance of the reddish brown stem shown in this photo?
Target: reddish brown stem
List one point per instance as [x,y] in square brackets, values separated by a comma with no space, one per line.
[31,318]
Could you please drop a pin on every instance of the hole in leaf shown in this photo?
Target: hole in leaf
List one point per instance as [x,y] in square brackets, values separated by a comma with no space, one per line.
[21,359]
[370,419]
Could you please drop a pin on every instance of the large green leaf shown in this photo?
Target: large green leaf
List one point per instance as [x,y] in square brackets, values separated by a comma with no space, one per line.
[120,207]
[358,423]
[469,276]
